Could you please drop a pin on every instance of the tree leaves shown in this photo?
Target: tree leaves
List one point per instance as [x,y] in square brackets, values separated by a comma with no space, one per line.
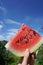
[7,58]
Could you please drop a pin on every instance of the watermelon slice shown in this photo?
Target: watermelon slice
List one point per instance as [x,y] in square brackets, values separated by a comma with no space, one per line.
[25,38]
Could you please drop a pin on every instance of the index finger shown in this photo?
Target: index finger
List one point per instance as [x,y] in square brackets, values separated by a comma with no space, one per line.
[26,56]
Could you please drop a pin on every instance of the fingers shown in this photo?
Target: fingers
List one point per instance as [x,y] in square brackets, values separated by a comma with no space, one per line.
[25,57]
[28,58]
[33,57]
[27,53]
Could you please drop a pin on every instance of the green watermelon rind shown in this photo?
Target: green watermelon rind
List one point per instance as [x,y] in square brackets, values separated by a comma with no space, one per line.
[20,54]
[36,47]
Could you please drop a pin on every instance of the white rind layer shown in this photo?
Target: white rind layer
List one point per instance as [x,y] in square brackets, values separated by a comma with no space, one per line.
[20,54]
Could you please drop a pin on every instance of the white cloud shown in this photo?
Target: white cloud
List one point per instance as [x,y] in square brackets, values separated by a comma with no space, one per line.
[3,10]
[12,30]
[11,33]
[1,26]
[1,37]
[9,21]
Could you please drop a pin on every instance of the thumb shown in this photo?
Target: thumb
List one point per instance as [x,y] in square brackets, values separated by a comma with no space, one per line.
[26,55]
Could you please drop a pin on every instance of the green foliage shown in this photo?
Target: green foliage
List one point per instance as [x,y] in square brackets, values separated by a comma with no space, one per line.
[7,58]
[39,57]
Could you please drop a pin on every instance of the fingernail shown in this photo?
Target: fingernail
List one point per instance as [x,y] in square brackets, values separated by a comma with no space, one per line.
[27,50]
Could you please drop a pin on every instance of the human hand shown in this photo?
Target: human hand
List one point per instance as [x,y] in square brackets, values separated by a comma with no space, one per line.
[28,58]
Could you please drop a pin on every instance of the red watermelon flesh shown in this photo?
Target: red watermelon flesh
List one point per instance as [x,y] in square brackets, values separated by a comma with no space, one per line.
[25,38]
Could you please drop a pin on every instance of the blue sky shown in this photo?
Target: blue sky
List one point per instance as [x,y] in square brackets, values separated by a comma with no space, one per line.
[15,12]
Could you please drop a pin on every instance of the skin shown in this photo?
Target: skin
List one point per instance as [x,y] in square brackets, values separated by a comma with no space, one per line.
[28,58]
